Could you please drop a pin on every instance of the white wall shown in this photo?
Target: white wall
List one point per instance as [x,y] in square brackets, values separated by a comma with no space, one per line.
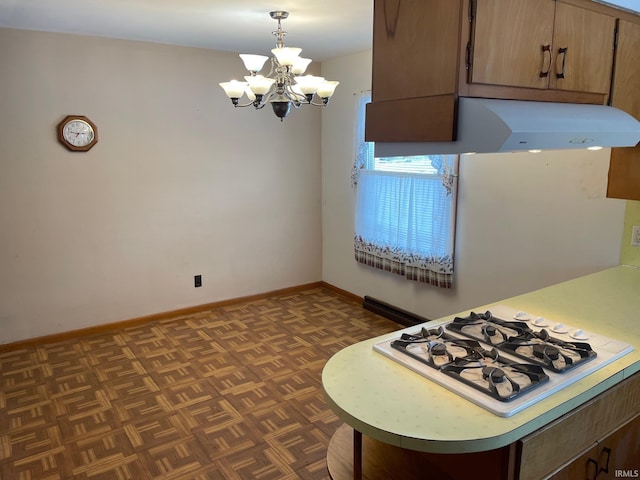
[179,184]
[524,220]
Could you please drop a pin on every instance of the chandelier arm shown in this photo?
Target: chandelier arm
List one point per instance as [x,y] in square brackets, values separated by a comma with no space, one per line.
[294,96]
[258,103]
[267,96]
[324,103]
[238,105]
[273,68]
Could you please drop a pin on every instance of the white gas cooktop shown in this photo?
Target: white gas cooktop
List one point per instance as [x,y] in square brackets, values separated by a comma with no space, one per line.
[606,351]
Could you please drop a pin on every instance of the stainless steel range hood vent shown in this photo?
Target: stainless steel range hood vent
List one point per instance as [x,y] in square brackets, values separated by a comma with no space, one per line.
[488,125]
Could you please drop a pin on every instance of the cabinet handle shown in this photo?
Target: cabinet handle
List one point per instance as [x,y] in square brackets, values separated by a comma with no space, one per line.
[563,52]
[605,469]
[545,49]
[591,461]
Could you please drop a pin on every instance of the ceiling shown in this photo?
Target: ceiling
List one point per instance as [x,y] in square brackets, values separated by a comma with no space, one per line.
[324,29]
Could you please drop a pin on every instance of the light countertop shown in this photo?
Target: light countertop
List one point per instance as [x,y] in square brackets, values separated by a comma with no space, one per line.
[390,403]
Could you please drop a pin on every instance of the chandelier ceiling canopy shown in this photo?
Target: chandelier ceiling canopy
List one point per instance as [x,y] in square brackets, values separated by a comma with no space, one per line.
[285,85]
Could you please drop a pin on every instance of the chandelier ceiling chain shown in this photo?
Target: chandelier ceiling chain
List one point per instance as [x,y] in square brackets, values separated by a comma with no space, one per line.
[279,33]
[285,85]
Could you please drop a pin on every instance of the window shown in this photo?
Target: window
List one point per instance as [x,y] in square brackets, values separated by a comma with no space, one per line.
[405,212]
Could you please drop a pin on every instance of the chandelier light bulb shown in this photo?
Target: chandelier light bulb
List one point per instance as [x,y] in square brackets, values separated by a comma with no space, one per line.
[249,93]
[300,65]
[253,63]
[326,89]
[297,90]
[309,84]
[286,56]
[234,89]
[259,85]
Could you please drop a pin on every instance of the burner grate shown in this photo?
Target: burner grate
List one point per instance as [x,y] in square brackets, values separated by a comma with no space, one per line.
[518,339]
[496,376]
[486,328]
[467,361]
[552,353]
[435,347]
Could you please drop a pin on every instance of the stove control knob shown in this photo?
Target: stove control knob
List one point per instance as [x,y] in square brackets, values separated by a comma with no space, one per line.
[579,334]
[559,328]
[522,316]
[541,322]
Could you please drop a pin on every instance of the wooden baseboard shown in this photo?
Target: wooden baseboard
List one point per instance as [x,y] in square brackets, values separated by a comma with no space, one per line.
[348,295]
[57,337]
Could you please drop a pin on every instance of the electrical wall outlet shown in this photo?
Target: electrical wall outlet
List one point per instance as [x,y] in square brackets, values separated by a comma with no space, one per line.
[197,281]
[635,236]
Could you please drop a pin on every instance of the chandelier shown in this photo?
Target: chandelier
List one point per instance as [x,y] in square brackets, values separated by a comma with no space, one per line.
[284,85]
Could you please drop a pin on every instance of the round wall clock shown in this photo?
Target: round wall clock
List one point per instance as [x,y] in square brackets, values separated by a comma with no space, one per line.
[77,133]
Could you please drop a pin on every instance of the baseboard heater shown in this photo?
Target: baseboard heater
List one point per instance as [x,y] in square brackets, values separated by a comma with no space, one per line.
[396,314]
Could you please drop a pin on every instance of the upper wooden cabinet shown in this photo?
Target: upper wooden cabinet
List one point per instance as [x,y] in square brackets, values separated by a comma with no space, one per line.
[625,92]
[427,53]
[541,44]
[415,70]
[624,168]
[402,30]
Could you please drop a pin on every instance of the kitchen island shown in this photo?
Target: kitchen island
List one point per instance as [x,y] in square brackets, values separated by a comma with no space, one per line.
[396,417]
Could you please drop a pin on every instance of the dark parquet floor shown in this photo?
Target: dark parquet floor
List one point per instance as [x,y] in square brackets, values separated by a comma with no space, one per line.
[228,393]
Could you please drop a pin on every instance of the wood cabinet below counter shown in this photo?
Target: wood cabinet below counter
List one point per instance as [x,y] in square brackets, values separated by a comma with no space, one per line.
[594,435]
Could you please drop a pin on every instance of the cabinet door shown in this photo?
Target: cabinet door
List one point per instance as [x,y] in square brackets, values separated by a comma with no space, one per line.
[618,451]
[549,450]
[625,92]
[583,46]
[508,41]
[415,48]
[624,168]
[416,45]
[583,467]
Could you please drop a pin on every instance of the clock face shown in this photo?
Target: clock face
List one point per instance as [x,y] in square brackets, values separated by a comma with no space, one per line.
[77,133]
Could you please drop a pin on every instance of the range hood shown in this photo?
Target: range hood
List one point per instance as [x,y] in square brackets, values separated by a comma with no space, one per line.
[488,126]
